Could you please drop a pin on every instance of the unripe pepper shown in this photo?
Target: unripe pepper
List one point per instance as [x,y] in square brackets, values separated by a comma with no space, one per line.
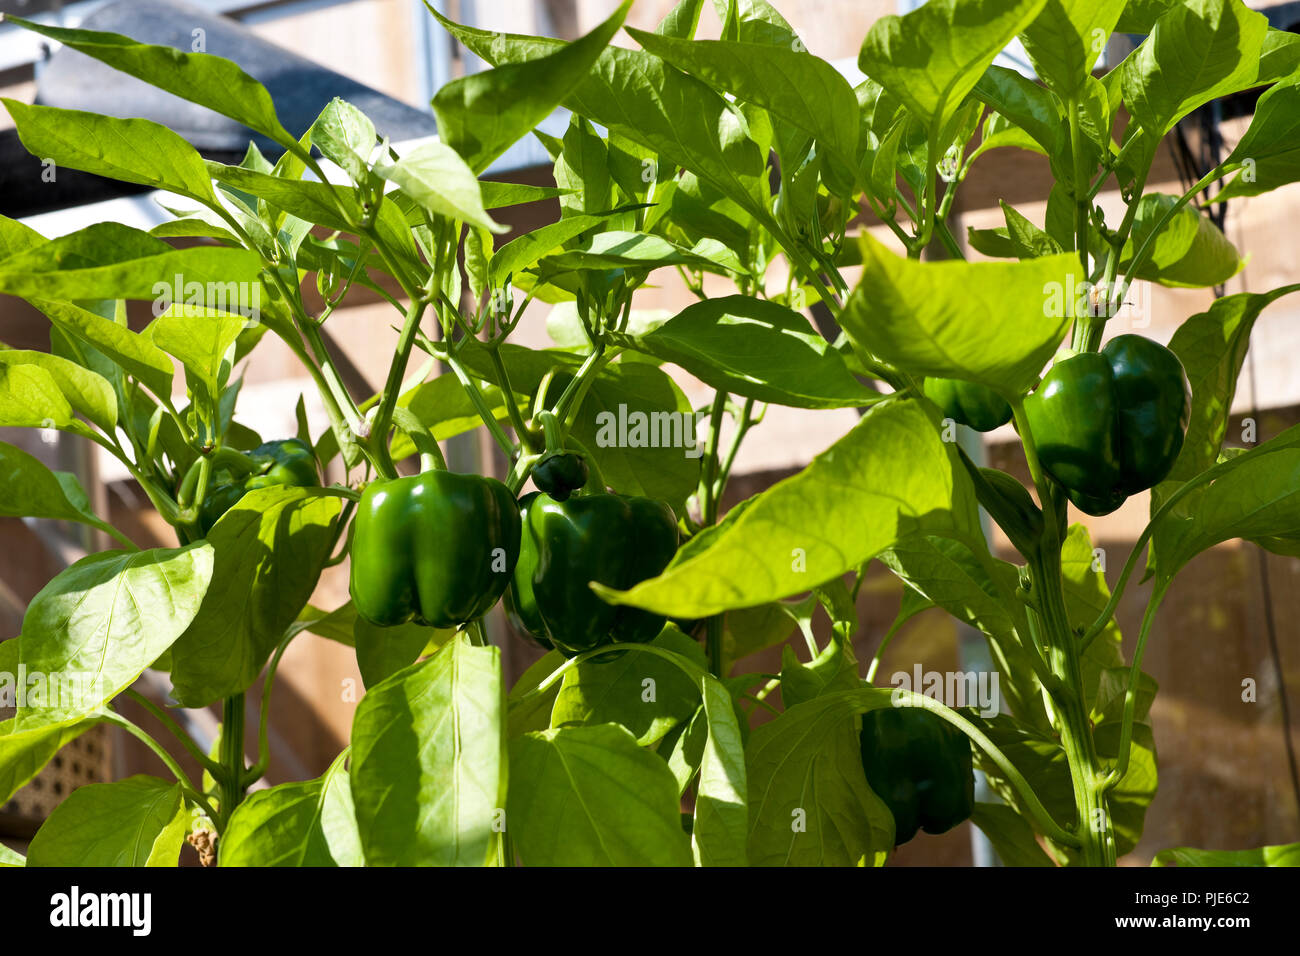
[436,548]
[968,403]
[1109,424]
[616,540]
[920,766]
[288,463]
[560,474]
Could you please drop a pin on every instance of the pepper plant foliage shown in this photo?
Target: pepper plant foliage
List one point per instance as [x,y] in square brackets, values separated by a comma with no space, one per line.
[746,159]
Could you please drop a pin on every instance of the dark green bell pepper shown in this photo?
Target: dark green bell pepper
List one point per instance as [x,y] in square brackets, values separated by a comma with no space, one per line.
[436,548]
[286,463]
[920,766]
[1109,424]
[968,403]
[560,474]
[615,540]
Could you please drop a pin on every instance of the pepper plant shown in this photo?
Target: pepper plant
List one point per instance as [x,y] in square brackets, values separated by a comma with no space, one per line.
[746,168]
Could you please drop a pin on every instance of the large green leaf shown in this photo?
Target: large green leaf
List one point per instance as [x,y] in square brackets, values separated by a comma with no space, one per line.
[482,114]
[270,548]
[932,57]
[136,355]
[524,252]
[589,796]
[795,85]
[890,475]
[1066,39]
[438,179]
[202,78]
[719,836]
[1189,251]
[295,824]
[1271,146]
[809,801]
[1253,495]
[128,150]
[87,393]
[757,349]
[30,490]
[99,623]
[1198,50]
[996,323]
[139,821]
[642,692]
[23,752]
[429,761]
[111,261]
[1022,102]
[1212,347]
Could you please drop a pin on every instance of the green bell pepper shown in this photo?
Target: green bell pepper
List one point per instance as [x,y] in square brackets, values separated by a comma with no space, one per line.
[286,463]
[436,548]
[968,403]
[615,540]
[1109,424]
[560,474]
[920,766]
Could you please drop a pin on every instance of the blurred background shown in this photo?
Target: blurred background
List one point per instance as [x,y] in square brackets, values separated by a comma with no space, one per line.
[1227,766]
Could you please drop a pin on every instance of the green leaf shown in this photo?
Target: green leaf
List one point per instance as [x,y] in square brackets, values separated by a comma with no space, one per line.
[719,836]
[202,78]
[616,249]
[139,821]
[383,651]
[436,178]
[932,57]
[16,237]
[1212,347]
[128,150]
[643,693]
[1253,495]
[1022,102]
[995,323]
[480,115]
[652,461]
[589,796]
[1198,50]
[30,490]
[809,801]
[1066,39]
[112,261]
[99,623]
[1270,147]
[1012,838]
[534,713]
[429,761]
[834,669]
[753,629]
[637,95]
[11,857]
[800,88]
[270,548]
[87,392]
[522,253]
[757,349]
[295,824]
[30,398]
[1284,855]
[1027,240]
[24,751]
[136,355]
[346,137]
[1189,251]
[887,476]
[444,407]
[203,345]
[499,195]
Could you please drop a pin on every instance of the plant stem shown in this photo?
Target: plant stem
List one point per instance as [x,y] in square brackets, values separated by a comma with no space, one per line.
[396,372]
[166,719]
[231,755]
